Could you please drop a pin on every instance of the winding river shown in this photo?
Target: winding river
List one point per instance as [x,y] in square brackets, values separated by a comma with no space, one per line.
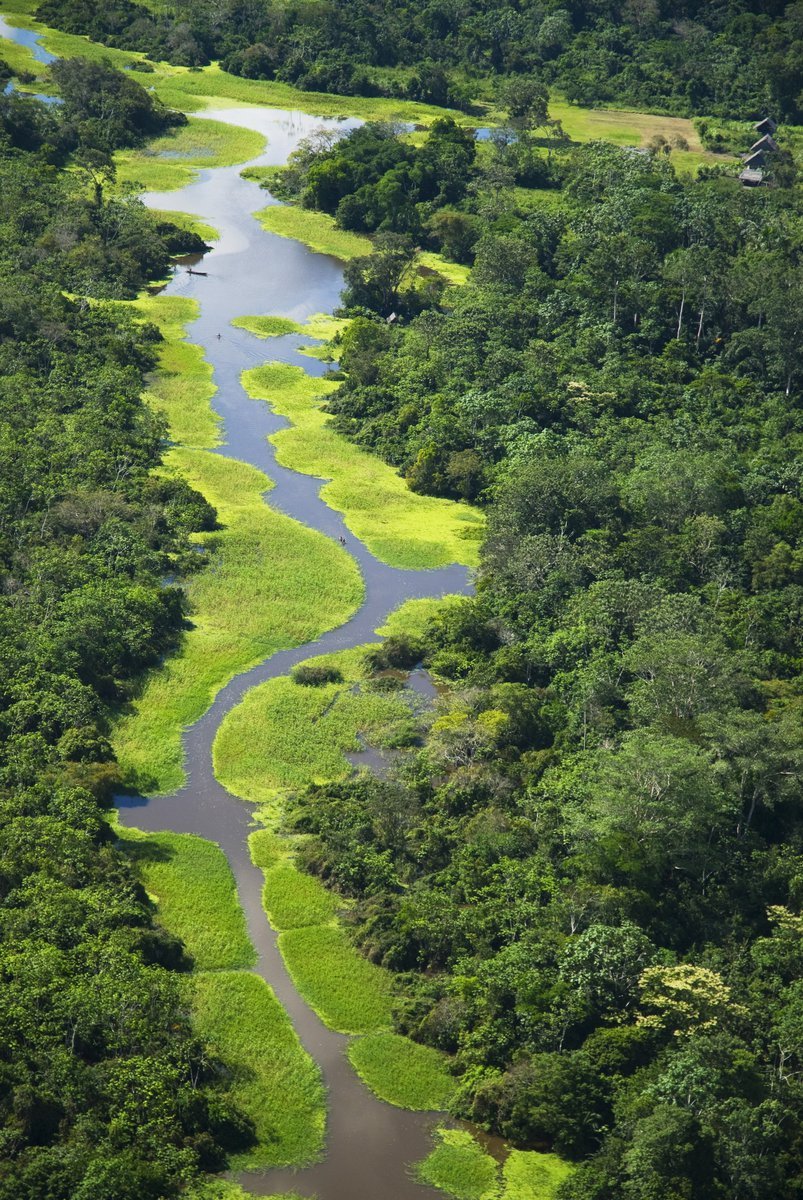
[370,1145]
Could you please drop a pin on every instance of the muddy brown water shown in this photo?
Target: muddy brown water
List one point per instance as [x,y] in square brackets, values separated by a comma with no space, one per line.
[370,1146]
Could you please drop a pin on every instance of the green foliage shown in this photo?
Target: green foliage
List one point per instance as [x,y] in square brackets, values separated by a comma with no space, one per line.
[237,618]
[347,992]
[403,1072]
[460,1167]
[271,1077]
[192,886]
[682,58]
[399,527]
[107,1091]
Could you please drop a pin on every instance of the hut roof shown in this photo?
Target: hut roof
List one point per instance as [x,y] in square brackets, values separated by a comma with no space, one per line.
[765,126]
[751,177]
[754,160]
[764,143]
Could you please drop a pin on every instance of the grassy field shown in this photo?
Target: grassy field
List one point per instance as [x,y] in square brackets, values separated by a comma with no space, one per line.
[320,325]
[402,1072]
[315,229]
[273,1079]
[171,161]
[347,992]
[398,526]
[19,58]
[285,735]
[319,231]
[271,583]
[192,884]
[294,900]
[454,273]
[267,327]
[182,386]
[527,1175]
[460,1166]
[190,222]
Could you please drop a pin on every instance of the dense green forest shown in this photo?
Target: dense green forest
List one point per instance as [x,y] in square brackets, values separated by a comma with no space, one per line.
[724,59]
[104,1089]
[589,875]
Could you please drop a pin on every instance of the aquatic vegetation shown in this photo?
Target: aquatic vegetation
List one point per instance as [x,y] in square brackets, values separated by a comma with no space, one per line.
[191,883]
[315,229]
[173,160]
[349,993]
[284,735]
[399,526]
[271,583]
[460,1167]
[190,222]
[403,1072]
[272,1078]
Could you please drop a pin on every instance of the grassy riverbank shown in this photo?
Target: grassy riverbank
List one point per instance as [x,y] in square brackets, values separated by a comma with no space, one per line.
[315,229]
[190,222]
[270,1077]
[460,1167]
[273,1079]
[402,1072]
[285,735]
[174,160]
[270,583]
[401,527]
[192,885]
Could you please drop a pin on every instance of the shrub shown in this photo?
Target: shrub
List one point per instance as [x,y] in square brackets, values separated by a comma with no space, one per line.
[316,675]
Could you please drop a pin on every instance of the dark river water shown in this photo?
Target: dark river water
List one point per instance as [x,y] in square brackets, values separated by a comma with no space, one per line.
[370,1145]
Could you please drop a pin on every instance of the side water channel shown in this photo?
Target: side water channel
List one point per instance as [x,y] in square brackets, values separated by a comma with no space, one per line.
[370,1145]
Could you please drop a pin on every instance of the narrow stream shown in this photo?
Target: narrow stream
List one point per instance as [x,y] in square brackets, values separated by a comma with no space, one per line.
[370,1145]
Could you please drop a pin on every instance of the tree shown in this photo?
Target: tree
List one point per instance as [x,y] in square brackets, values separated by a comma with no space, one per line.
[376,280]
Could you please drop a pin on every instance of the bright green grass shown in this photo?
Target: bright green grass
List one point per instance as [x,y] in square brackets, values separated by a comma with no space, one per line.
[271,582]
[320,325]
[182,87]
[402,1072]
[173,160]
[413,617]
[192,884]
[349,993]
[320,232]
[284,735]
[401,527]
[190,222]
[454,273]
[294,900]
[528,1175]
[315,229]
[19,58]
[273,1080]
[182,386]
[266,848]
[461,1167]
[265,327]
